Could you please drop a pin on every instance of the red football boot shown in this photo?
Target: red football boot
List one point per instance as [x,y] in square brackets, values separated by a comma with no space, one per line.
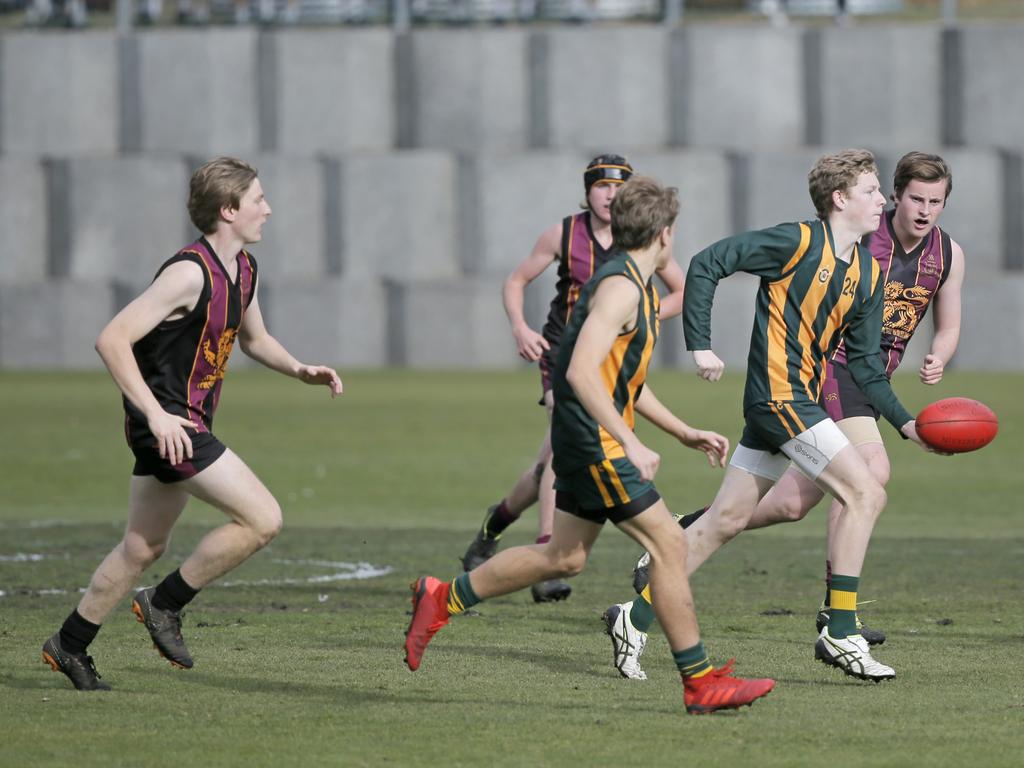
[429,614]
[718,689]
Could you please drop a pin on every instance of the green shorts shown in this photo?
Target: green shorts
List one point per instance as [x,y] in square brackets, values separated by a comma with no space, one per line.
[608,490]
[768,426]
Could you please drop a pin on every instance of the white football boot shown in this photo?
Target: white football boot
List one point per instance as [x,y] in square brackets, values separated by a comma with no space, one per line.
[851,655]
[628,642]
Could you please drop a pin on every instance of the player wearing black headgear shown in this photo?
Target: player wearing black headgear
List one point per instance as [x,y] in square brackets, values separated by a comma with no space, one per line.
[609,169]
[579,244]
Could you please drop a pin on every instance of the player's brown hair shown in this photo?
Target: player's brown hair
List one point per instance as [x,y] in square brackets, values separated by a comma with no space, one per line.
[642,208]
[219,183]
[838,171]
[920,166]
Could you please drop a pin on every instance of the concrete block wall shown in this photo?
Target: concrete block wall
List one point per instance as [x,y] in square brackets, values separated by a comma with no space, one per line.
[329,319]
[586,95]
[739,88]
[993,308]
[116,218]
[194,93]
[510,198]
[454,323]
[60,93]
[327,91]
[465,92]
[409,174]
[867,89]
[983,66]
[23,221]
[294,245]
[53,323]
[398,214]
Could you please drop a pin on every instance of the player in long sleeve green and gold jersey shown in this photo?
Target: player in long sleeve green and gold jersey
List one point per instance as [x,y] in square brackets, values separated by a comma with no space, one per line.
[818,286]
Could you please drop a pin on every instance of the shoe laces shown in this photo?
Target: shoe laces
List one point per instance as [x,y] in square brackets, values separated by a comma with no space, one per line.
[716,673]
[725,670]
[90,666]
[168,620]
[641,641]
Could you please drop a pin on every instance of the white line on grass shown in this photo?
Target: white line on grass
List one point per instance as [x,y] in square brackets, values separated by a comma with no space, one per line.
[26,557]
[343,572]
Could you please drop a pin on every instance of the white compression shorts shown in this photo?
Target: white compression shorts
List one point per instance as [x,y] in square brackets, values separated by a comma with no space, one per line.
[810,451]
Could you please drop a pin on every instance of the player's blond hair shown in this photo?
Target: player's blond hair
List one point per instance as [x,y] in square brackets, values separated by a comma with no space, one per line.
[217,184]
[642,208]
[920,166]
[837,172]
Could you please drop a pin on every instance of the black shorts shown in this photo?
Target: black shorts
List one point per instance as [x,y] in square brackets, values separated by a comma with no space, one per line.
[546,363]
[842,398]
[206,449]
[608,490]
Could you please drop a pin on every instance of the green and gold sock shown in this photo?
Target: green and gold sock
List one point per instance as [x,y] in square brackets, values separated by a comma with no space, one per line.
[693,662]
[642,614]
[843,611]
[461,595]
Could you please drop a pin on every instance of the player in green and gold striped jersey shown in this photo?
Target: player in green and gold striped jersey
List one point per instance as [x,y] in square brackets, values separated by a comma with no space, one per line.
[603,471]
[818,286]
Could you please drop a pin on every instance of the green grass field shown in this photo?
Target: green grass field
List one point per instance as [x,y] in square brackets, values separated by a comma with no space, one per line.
[298,664]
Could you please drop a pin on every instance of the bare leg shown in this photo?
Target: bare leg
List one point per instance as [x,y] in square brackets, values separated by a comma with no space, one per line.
[656,530]
[546,497]
[848,479]
[232,487]
[154,507]
[877,459]
[731,511]
[518,567]
[789,500]
[546,490]
[525,492]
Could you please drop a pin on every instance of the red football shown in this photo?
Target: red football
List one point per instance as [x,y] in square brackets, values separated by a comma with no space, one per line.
[957,425]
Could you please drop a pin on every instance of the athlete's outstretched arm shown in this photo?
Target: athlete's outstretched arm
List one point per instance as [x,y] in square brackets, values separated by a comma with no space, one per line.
[716,446]
[258,344]
[529,344]
[764,253]
[172,294]
[674,278]
[862,339]
[947,320]
[612,310]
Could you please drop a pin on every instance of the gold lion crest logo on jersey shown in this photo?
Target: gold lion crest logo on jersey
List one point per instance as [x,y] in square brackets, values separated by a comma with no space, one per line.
[903,308]
[219,358]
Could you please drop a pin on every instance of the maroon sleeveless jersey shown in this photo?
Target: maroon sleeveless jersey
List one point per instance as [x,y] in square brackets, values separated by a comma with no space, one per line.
[581,256]
[911,282]
[183,361]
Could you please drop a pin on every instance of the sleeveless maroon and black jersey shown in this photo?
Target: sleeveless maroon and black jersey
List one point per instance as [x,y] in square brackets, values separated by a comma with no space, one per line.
[183,361]
[911,282]
[581,256]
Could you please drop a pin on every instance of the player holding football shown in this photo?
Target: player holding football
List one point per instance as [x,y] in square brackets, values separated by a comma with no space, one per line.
[819,287]
[602,470]
[167,351]
[921,265]
[580,244]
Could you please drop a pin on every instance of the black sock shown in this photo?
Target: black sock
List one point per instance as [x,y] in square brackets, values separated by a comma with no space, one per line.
[497,521]
[173,594]
[687,520]
[76,633]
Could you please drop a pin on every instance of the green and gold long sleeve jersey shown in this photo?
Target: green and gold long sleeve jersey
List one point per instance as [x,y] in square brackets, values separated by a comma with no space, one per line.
[808,301]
